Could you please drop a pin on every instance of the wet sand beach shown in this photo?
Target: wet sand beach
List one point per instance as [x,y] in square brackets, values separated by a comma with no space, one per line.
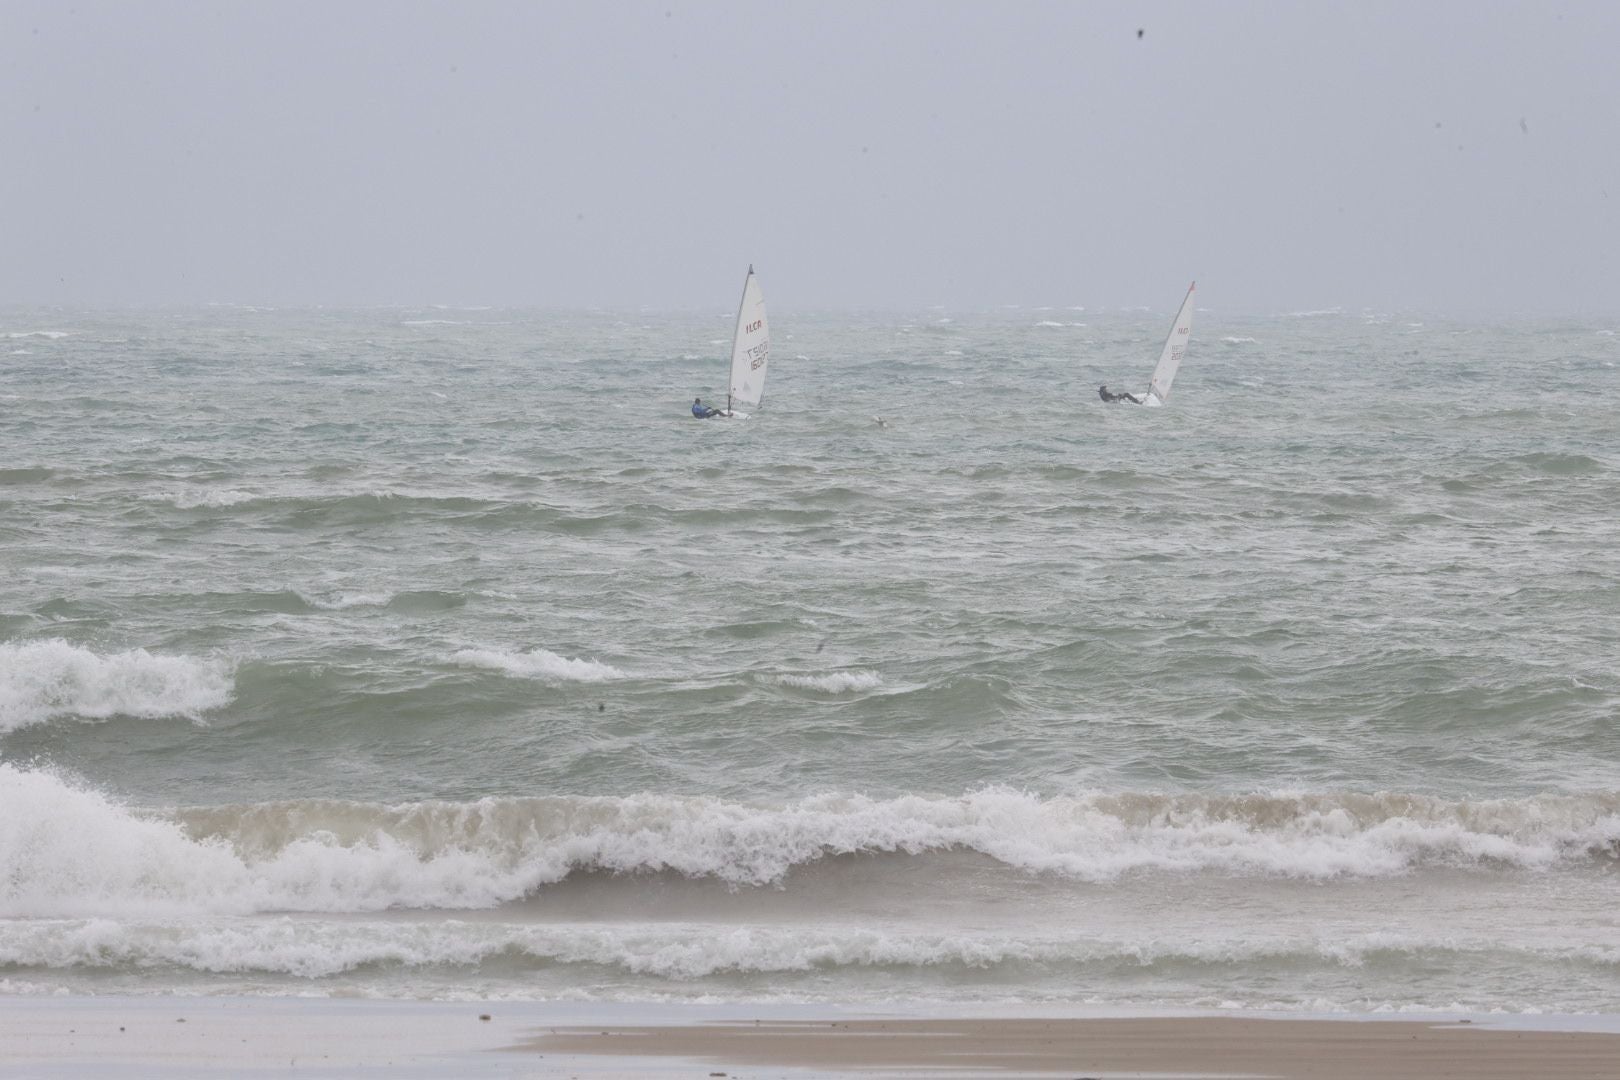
[117,1038]
[1179,1046]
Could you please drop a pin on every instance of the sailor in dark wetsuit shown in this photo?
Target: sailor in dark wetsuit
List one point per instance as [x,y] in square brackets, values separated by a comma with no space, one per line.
[1102,392]
[702,411]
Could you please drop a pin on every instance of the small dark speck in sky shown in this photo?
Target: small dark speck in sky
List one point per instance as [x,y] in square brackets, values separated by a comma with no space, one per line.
[968,148]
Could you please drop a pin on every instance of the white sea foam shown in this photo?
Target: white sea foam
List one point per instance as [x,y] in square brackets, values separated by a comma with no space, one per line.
[70,851]
[1238,340]
[195,498]
[342,600]
[314,949]
[837,682]
[537,664]
[51,334]
[42,680]
[1048,322]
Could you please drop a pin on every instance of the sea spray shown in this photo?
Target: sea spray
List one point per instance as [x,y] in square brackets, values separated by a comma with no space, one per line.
[43,680]
[70,849]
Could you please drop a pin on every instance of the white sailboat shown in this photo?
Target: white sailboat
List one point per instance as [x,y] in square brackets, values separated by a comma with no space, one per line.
[1175,347]
[750,351]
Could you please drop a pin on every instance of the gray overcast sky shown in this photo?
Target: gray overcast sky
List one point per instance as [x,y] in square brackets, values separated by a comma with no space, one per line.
[1448,156]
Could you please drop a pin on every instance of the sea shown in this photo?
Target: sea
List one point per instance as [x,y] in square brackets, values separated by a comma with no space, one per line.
[439,653]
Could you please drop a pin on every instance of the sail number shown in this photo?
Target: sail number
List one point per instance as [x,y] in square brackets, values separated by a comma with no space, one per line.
[758,355]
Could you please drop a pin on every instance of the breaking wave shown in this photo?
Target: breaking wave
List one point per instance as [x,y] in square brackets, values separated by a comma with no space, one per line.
[838,682]
[67,850]
[682,951]
[43,680]
[203,498]
[537,664]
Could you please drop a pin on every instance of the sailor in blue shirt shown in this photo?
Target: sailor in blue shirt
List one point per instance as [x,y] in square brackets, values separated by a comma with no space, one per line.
[702,411]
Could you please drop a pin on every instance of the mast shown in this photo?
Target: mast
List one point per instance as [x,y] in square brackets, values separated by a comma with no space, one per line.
[735,330]
[1174,348]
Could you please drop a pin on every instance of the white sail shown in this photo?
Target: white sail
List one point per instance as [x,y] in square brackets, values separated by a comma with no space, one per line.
[1175,347]
[750,347]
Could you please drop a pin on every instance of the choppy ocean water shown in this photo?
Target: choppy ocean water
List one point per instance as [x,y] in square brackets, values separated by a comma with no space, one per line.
[440,653]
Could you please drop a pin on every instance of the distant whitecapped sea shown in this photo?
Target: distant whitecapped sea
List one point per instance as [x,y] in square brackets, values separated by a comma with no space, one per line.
[442,654]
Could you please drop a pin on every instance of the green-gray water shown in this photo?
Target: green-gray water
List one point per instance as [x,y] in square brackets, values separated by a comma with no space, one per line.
[442,653]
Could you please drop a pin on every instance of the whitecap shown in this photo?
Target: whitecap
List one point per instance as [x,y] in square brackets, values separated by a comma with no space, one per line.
[198,498]
[537,664]
[91,856]
[837,682]
[43,680]
[341,601]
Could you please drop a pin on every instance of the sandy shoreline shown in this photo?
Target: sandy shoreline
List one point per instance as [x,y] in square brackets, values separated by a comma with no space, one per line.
[121,1037]
[1180,1046]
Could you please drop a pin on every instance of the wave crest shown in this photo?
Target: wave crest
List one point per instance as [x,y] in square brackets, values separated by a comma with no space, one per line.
[42,680]
[837,682]
[69,850]
[688,951]
[203,498]
[537,664]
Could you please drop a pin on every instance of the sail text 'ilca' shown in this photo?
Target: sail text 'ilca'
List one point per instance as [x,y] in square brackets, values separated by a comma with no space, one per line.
[750,349]
[1175,347]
